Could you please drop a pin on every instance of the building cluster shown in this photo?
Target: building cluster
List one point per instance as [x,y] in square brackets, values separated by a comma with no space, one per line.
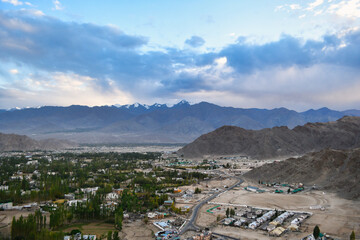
[78,236]
[272,221]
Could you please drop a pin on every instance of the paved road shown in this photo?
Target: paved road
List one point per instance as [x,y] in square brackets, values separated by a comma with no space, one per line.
[191,223]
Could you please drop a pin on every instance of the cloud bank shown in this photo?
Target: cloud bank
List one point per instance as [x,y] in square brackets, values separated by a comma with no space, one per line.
[112,66]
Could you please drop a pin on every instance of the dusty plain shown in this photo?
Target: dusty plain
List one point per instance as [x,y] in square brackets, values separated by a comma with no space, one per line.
[339,218]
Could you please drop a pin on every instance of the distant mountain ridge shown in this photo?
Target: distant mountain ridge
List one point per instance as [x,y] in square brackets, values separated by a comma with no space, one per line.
[157,123]
[277,141]
[14,142]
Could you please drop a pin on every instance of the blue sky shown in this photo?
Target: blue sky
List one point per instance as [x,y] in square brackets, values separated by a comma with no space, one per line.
[266,54]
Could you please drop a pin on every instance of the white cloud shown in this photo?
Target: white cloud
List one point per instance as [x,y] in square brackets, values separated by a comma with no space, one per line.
[14,71]
[278,8]
[318,12]
[16,24]
[36,12]
[288,7]
[315,4]
[13,2]
[295,6]
[349,9]
[216,75]
[293,87]
[63,89]
[58,5]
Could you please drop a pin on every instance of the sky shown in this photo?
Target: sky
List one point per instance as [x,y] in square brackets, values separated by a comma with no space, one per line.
[249,53]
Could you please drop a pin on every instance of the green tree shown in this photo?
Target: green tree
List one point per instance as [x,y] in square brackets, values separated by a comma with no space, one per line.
[116,235]
[232,212]
[119,215]
[316,232]
[352,235]
[24,228]
[227,212]
[109,236]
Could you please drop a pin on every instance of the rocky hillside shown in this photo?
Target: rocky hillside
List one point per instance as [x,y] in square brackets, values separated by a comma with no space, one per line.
[278,141]
[14,142]
[335,170]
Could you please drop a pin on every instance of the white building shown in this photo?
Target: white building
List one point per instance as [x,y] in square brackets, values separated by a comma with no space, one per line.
[112,196]
[33,162]
[89,237]
[6,206]
[90,190]
[4,188]
[74,203]
[69,196]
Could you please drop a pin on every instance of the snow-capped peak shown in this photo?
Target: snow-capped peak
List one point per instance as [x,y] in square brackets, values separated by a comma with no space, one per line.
[15,108]
[158,105]
[182,103]
[149,107]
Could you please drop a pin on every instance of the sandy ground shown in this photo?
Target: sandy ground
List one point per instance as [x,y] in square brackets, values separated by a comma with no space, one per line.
[138,230]
[271,200]
[339,219]
[243,234]
[210,184]
[6,218]
[217,183]
[204,218]
[205,186]
[97,228]
[253,235]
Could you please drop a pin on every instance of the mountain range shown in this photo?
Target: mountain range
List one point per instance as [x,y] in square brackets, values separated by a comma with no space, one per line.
[277,141]
[158,123]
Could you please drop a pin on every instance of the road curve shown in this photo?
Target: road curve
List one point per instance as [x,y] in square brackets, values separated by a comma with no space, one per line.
[191,223]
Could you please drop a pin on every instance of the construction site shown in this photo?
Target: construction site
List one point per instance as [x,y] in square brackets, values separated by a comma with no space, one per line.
[265,215]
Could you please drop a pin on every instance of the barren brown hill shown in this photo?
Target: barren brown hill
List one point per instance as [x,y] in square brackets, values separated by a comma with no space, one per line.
[14,142]
[335,170]
[278,141]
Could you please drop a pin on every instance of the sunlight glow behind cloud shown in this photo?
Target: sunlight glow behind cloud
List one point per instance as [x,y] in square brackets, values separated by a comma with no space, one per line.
[48,60]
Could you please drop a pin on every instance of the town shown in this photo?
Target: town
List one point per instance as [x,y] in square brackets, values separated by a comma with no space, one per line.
[110,195]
